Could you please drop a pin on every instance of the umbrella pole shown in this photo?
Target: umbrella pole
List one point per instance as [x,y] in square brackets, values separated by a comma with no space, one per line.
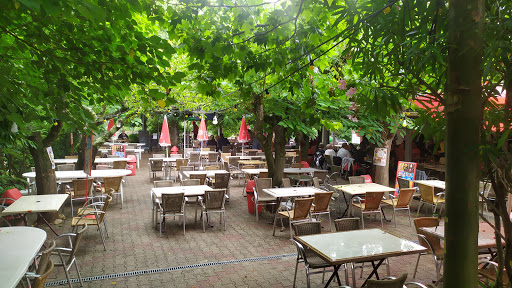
[184,137]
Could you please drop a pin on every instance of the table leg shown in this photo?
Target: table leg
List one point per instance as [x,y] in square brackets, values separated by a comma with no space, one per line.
[334,273]
[346,202]
[384,215]
[48,224]
[374,271]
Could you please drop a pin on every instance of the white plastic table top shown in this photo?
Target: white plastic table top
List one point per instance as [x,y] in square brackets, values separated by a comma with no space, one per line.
[247,157]
[136,150]
[433,183]
[359,245]
[167,159]
[18,246]
[96,160]
[359,189]
[209,173]
[138,144]
[194,190]
[78,174]
[255,171]
[299,170]
[36,204]
[293,191]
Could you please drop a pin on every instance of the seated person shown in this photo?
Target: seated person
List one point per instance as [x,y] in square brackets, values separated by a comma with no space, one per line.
[211,141]
[330,150]
[123,137]
[223,141]
[343,152]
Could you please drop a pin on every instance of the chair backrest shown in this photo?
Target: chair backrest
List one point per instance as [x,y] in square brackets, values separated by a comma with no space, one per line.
[427,222]
[289,160]
[426,193]
[226,149]
[119,164]
[43,275]
[113,156]
[356,180]
[346,163]
[212,167]
[307,228]
[82,187]
[194,157]
[286,183]
[302,208]
[157,165]
[201,177]
[225,165]
[172,202]
[316,182]
[262,183]
[403,183]
[405,197]
[213,157]
[205,149]
[224,156]
[485,188]
[298,165]
[328,160]
[66,167]
[181,162]
[212,147]
[221,181]
[71,157]
[322,201]
[320,174]
[233,161]
[367,178]
[387,283]
[347,224]
[248,167]
[45,258]
[176,155]
[190,182]
[113,183]
[163,183]
[11,195]
[158,156]
[214,199]
[80,233]
[252,152]
[263,174]
[372,201]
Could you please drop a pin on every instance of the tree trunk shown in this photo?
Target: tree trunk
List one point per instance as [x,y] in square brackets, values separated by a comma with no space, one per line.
[173,130]
[45,175]
[382,172]
[463,118]
[303,141]
[280,152]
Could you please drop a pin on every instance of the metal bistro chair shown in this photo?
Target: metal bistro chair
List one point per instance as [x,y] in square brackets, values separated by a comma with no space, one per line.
[115,184]
[67,252]
[181,176]
[95,218]
[171,205]
[81,190]
[213,202]
[431,242]
[370,206]
[402,203]
[428,197]
[321,206]
[154,200]
[387,282]
[201,177]
[301,213]
[261,198]
[356,180]
[221,181]
[195,159]
[155,166]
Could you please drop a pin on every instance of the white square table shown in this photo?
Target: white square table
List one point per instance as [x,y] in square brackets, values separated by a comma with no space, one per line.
[18,247]
[358,246]
[434,183]
[360,189]
[209,173]
[255,171]
[36,204]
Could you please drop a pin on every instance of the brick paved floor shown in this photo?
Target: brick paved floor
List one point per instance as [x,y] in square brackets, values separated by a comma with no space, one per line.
[134,245]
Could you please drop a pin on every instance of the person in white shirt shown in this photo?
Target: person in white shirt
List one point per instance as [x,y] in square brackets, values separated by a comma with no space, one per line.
[330,151]
[343,152]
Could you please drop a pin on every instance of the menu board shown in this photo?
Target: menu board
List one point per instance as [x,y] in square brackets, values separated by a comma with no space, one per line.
[406,170]
[380,156]
[119,149]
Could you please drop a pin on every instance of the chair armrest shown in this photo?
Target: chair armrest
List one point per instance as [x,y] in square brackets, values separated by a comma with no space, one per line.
[414,284]
[429,245]
[358,199]
[96,212]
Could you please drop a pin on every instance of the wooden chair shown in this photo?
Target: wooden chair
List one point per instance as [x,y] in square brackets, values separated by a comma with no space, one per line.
[431,242]
[261,198]
[66,251]
[321,206]
[371,205]
[172,204]
[301,212]
[428,197]
[402,202]
[213,202]
[94,218]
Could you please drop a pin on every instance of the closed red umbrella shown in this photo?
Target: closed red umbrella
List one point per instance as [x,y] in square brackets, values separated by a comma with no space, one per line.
[165,138]
[243,135]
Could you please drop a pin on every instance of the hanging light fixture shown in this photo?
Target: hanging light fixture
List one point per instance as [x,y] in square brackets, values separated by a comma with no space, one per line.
[214,121]
[14,127]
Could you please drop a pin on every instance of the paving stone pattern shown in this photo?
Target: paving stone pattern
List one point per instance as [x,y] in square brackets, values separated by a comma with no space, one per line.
[134,245]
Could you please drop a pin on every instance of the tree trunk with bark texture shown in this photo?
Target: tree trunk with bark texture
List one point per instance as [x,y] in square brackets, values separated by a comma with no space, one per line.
[303,141]
[45,175]
[173,130]
[382,172]
[464,115]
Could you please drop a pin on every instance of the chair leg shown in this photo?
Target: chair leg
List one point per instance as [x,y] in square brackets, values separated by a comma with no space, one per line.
[121,194]
[274,226]
[409,211]
[65,269]
[330,224]
[353,275]
[204,219]
[224,219]
[78,272]
[416,268]
[102,237]
[394,216]
[419,208]
[256,209]
[105,226]
[184,218]
[291,230]
[362,219]
[295,275]
[162,219]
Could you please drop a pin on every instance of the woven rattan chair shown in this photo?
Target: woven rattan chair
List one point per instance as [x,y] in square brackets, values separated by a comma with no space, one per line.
[201,177]
[195,159]
[163,183]
[181,162]
[213,158]
[155,166]
[307,228]
[402,202]
[42,262]
[212,167]
[190,182]
[119,164]
[488,273]
[94,217]
[301,213]
[158,156]
[263,174]
[321,206]
[429,197]
[116,184]
[371,205]
[68,244]
[347,224]
[213,202]
[80,191]
[64,181]
[431,242]
[226,149]
[321,175]
[387,282]
[261,198]
[221,181]
[184,168]
[286,183]
[41,280]
[403,183]
[172,204]
[356,180]
[297,165]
